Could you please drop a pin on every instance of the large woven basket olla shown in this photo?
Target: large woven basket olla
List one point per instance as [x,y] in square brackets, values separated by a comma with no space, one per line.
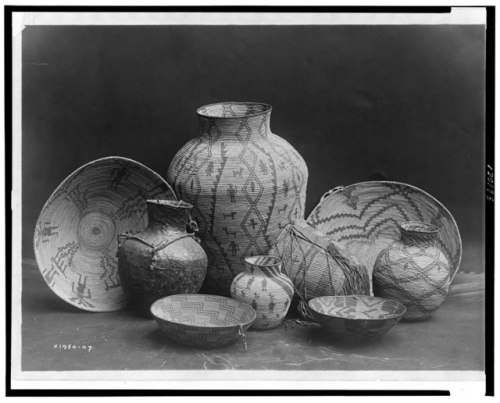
[363,219]
[76,233]
[316,266]
[245,183]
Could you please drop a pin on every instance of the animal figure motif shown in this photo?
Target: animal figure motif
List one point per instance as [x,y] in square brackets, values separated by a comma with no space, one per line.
[228,233]
[238,173]
[231,215]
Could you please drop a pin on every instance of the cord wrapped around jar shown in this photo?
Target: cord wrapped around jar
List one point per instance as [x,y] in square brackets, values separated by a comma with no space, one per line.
[316,266]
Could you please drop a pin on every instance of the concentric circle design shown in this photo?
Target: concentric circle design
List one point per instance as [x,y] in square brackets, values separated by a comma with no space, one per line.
[76,233]
[96,230]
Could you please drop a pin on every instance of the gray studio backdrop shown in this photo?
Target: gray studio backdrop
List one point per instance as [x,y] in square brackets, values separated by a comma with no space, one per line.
[405,103]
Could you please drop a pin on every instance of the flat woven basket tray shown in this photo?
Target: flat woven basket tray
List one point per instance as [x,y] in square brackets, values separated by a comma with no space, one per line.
[363,219]
[76,233]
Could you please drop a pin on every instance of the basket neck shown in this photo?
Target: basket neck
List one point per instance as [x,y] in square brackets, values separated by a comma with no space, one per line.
[171,216]
[415,233]
[235,121]
[266,265]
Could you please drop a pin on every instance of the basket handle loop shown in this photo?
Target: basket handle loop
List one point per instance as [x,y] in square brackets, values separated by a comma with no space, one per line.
[330,192]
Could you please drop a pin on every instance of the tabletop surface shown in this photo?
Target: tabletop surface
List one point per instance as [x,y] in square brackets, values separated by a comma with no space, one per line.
[59,337]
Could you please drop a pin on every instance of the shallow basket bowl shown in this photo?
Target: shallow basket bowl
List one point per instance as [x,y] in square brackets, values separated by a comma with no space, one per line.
[202,320]
[358,316]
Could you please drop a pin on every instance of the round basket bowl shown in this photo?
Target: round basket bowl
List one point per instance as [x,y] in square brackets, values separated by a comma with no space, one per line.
[203,320]
[76,233]
[356,316]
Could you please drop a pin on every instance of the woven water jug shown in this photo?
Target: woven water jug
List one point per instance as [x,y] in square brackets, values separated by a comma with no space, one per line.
[244,182]
[413,271]
[316,266]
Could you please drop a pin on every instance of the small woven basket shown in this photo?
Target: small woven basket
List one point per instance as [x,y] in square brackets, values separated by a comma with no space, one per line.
[317,267]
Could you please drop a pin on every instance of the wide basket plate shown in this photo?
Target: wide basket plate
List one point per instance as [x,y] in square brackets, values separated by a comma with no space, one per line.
[76,233]
[364,218]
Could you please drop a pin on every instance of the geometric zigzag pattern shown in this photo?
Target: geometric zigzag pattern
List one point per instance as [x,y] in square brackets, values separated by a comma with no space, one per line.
[364,219]
[245,183]
[202,320]
[415,276]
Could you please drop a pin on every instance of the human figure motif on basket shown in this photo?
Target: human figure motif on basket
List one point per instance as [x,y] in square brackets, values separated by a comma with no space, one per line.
[44,232]
[272,304]
[254,301]
[263,167]
[210,168]
[286,187]
[231,192]
[81,291]
[234,248]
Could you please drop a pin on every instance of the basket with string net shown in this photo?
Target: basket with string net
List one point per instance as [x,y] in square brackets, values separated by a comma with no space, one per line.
[317,267]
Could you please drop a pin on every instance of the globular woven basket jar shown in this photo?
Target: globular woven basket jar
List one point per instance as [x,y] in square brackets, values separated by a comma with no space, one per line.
[162,260]
[265,288]
[317,267]
[245,183]
[413,271]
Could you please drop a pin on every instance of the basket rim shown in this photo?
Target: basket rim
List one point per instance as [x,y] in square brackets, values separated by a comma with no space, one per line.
[268,109]
[393,316]
[432,198]
[38,257]
[190,326]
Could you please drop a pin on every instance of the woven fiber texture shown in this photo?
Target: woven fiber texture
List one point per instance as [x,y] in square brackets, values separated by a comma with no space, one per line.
[203,320]
[245,183]
[356,315]
[363,219]
[265,288]
[413,271]
[76,233]
[315,265]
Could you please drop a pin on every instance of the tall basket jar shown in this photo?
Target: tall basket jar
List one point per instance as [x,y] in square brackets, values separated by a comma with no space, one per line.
[245,183]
